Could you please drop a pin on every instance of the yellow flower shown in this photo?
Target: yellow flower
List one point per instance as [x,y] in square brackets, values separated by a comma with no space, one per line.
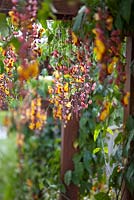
[112,65]
[50,89]
[6,91]
[66,88]
[68,105]
[32,126]
[110,68]
[96,17]
[1,49]
[14,19]
[56,74]
[100,45]
[20,140]
[38,101]
[125,99]
[95,32]
[74,38]
[23,75]
[67,76]
[109,23]
[59,89]
[104,114]
[38,125]
[29,182]
[41,32]
[33,68]
[99,49]
[69,116]
[57,113]
[115,59]
[98,54]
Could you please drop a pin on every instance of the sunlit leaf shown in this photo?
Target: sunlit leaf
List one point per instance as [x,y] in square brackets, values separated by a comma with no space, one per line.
[109,130]
[96,132]
[96,150]
[105,149]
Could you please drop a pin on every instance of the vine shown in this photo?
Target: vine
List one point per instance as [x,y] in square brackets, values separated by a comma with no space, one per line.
[62,70]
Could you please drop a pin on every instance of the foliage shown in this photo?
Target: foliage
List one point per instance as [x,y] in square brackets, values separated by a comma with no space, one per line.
[59,68]
[8,162]
[39,164]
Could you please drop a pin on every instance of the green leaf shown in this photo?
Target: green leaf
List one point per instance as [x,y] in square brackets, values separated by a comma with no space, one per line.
[118,139]
[96,150]
[76,158]
[78,173]
[128,145]
[102,196]
[126,9]
[68,177]
[79,19]
[130,123]
[129,176]
[119,22]
[43,14]
[4,28]
[105,149]
[50,38]
[96,132]
[1,66]
[62,188]
[15,42]
[87,157]
[109,130]
[76,144]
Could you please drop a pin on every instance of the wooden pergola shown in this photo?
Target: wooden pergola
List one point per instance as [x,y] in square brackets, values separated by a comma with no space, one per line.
[64,10]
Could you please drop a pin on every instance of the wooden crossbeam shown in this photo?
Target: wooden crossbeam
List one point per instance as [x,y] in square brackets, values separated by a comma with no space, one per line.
[63,9]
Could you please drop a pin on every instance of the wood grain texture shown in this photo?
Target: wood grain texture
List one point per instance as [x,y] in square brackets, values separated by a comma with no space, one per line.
[69,135]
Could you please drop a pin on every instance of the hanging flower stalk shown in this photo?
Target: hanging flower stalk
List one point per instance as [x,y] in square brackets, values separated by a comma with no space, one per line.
[23,17]
[73,86]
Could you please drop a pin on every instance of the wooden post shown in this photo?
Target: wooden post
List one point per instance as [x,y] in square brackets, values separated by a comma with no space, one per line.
[69,135]
[129,110]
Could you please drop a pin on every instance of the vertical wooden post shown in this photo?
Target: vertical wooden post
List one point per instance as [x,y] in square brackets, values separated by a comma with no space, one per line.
[69,135]
[129,110]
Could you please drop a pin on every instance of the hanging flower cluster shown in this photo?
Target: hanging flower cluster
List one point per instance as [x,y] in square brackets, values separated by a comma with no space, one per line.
[23,18]
[36,115]
[32,70]
[4,91]
[31,114]
[73,86]
[9,60]
[107,48]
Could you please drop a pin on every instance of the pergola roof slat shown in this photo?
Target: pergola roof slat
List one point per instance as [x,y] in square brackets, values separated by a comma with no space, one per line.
[61,8]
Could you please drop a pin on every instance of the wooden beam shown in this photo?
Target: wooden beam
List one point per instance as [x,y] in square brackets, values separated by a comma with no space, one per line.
[129,109]
[62,9]
[69,135]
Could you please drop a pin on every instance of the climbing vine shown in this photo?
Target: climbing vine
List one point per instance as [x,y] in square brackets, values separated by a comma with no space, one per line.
[51,70]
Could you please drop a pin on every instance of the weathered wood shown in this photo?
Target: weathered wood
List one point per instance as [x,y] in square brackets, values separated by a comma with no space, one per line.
[5,6]
[129,109]
[63,9]
[69,135]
